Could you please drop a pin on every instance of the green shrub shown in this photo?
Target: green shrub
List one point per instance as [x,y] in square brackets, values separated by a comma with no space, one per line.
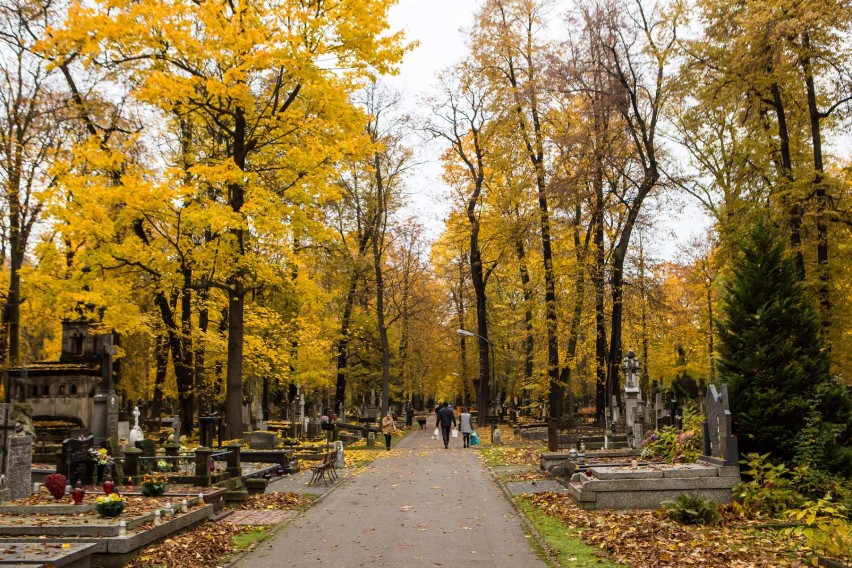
[825,526]
[769,491]
[691,509]
[676,446]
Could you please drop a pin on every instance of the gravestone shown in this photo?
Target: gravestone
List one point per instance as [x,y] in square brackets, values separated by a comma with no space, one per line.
[720,445]
[19,468]
[209,429]
[148,447]
[75,462]
[260,440]
[339,462]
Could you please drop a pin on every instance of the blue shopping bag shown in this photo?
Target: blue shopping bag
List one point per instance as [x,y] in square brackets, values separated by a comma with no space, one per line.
[474,438]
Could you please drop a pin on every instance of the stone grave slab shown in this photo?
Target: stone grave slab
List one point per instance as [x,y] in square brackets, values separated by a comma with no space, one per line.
[57,555]
[625,473]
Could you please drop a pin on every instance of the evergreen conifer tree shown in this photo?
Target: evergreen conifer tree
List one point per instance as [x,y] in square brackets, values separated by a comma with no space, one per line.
[773,356]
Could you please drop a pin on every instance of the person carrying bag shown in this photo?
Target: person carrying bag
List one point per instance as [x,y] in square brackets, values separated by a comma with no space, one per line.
[446,420]
[465,426]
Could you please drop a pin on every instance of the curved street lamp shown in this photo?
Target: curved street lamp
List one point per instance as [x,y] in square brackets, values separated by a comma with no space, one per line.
[492,407]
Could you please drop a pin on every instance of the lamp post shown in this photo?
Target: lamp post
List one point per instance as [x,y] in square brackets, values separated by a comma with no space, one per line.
[492,405]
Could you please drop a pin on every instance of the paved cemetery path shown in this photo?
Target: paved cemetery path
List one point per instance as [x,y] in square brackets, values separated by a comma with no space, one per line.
[419,505]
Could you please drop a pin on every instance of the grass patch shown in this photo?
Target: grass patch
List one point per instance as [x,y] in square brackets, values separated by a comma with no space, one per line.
[564,540]
[492,455]
[247,538]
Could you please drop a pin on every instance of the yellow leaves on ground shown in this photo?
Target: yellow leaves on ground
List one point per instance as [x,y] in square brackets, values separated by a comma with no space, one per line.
[644,539]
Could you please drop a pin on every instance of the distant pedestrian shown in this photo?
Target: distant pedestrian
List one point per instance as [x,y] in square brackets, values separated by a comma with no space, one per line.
[388,428]
[465,426]
[446,420]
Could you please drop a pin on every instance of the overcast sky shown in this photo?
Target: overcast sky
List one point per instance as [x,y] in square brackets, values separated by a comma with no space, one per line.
[437,25]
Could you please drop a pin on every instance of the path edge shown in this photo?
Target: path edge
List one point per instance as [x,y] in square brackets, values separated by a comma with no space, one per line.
[275,529]
[551,558]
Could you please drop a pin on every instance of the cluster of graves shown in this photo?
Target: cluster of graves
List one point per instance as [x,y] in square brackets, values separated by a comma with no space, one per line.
[604,465]
[75,399]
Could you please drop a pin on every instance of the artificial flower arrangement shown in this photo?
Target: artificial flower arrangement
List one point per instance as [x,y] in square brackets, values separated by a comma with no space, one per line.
[154,484]
[110,505]
[100,456]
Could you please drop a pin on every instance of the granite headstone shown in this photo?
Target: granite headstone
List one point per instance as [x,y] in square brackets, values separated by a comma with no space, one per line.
[75,462]
[720,445]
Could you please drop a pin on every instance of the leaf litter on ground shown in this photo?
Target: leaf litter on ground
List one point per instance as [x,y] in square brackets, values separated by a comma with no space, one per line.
[644,539]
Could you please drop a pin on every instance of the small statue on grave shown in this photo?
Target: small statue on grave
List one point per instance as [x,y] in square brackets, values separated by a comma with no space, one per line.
[136,434]
[22,416]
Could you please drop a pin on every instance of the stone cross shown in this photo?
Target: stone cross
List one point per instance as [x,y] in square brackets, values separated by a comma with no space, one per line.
[176,426]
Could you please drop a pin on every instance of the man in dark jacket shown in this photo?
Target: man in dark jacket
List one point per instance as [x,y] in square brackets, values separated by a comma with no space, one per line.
[446,420]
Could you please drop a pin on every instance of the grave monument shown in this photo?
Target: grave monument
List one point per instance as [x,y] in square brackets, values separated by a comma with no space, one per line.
[136,434]
[720,445]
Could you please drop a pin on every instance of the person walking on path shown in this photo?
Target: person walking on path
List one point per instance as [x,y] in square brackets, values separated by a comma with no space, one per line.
[446,420]
[465,426]
[388,428]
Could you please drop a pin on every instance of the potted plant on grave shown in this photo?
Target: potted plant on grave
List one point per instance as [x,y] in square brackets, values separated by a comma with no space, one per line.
[110,505]
[154,484]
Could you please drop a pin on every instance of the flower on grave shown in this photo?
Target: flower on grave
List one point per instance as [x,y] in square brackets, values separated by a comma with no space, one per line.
[162,465]
[111,498]
[100,456]
[154,484]
[110,505]
[324,419]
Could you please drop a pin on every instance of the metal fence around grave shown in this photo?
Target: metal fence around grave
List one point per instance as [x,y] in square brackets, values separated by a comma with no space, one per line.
[182,465]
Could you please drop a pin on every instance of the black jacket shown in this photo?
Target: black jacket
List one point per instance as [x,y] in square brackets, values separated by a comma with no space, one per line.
[446,417]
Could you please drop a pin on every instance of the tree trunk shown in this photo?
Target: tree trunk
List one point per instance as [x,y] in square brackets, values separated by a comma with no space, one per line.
[236,295]
[529,340]
[377,234]
[823,274]
[161,358]
[184,362]
[598,280]
[234,373]
[346,320]
[795,213]
[203,395]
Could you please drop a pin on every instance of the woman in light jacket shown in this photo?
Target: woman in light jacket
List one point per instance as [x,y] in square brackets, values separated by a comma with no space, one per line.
[388,428]
[465,426]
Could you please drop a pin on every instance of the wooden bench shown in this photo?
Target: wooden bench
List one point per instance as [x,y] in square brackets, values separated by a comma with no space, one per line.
[324,470]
